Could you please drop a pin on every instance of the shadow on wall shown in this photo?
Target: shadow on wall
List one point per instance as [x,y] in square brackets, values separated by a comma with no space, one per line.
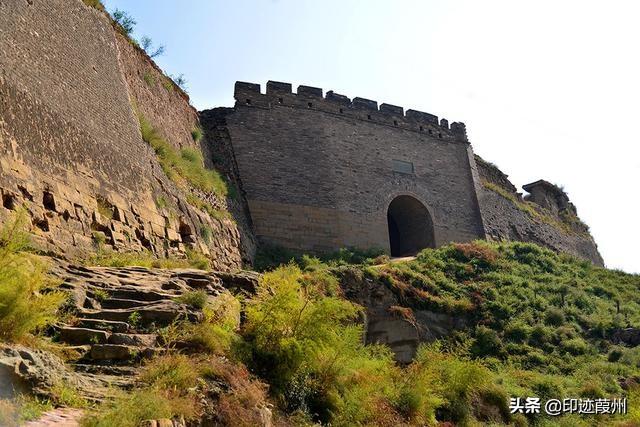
[410,226]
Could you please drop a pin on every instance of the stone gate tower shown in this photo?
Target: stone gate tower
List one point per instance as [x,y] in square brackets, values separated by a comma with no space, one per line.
[324,172]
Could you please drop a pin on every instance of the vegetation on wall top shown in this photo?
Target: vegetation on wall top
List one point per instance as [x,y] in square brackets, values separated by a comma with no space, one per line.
[185,164]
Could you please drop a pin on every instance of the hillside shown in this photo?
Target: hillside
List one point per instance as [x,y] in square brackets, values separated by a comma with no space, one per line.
[163,266]
[287,349]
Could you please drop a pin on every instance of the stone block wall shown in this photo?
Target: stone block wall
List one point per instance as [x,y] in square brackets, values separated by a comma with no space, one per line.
[71,151]
[504,220]
[155,96]
[318,172]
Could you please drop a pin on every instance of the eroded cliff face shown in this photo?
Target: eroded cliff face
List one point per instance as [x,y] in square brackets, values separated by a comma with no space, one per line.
[389,319]
[71,151]
[545,216]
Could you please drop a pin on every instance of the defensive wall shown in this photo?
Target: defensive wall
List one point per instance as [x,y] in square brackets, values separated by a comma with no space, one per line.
[71,151]
[320,172]
[307,170]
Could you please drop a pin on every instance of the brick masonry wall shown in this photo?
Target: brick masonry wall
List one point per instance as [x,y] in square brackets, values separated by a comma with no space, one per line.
[156,97]
[70,147]
[318,175]
[218,153]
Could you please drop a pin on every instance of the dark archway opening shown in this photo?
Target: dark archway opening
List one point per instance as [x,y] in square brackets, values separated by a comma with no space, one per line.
[410,226]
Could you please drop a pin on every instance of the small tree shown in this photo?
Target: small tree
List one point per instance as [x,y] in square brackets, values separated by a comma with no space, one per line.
[179,80]
[147,45]
[124,20]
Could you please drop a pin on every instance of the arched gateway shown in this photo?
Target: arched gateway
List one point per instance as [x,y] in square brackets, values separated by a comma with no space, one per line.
[410,226]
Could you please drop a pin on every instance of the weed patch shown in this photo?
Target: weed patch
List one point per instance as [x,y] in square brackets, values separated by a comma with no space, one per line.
[28,299]
[182,166]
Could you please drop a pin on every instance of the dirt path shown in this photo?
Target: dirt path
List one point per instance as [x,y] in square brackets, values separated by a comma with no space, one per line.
[402,259]
[61,417]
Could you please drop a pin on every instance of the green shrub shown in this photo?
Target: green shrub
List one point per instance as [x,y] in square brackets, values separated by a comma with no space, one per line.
[134,319]
[131,409]
[64,394]
[146,259]
[172,371]
[149,78]
[197,202]
[555,317]
[548,387]
[28,300]
[216,334]
[300,338]
[492,405]
[207,337]
[185,165]
[100,295]
[168,84]
[206,233]
[198,259]
[633,396]
[517,331]
[161,202]
[460,380]
[269,257]
[124,22]
[286,323]
[487,342]
[615,354]
[197,134]
[420,393]
[540,335]
[30,408]
[575,346]
[195,299]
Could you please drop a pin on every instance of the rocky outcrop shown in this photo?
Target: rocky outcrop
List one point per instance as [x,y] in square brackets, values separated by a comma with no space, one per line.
[390,320]
[626,336]
[116,326]
[118,312]
[26,370]
[545,217]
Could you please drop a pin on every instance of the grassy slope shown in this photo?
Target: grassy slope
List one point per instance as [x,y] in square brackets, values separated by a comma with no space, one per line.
[540,324]
[541,321]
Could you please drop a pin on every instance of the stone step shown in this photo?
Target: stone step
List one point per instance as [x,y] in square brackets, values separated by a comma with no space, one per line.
[160,315]
[105,325]
[139,294]
[111,381]
[79,336]
[78,351]
[123,303]
[97,369]
[138,340]
[120,352]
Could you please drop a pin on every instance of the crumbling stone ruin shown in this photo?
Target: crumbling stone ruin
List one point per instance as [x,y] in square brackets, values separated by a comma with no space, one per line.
[309,171]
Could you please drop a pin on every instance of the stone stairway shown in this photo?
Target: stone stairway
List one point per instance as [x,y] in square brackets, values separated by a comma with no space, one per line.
[120,310]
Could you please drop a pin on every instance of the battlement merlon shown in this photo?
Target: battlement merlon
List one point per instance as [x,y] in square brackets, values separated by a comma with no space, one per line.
[312,97]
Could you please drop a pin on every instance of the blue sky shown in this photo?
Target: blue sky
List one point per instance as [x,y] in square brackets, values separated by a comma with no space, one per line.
[547,89]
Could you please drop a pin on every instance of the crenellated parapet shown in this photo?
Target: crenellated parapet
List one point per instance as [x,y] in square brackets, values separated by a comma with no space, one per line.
[279,94]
